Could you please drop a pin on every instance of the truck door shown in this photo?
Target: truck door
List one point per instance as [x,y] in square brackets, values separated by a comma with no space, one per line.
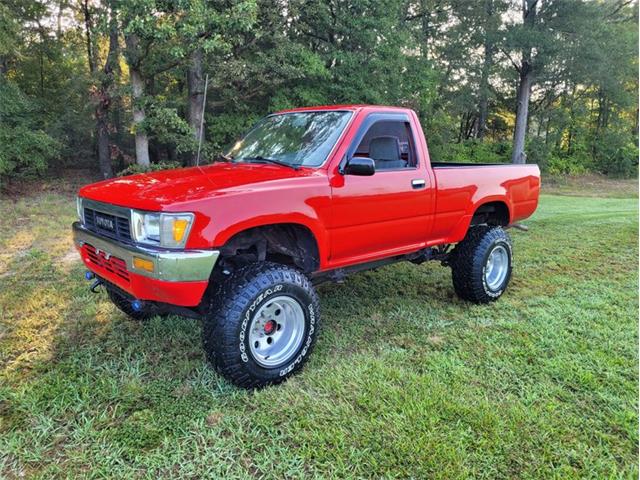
[389,212]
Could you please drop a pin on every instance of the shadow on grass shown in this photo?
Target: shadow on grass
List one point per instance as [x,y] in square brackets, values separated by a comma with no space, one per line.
[72,357]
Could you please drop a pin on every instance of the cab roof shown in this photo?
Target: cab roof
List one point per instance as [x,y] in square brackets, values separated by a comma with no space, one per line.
[349,107]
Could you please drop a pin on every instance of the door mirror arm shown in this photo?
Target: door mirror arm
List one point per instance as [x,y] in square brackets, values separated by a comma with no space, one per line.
[343,164]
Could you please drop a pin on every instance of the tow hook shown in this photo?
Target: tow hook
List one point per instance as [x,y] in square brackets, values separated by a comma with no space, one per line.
[96,283]
[137,305]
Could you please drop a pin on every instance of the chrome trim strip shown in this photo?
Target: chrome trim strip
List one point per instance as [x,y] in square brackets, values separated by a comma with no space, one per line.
[169,265]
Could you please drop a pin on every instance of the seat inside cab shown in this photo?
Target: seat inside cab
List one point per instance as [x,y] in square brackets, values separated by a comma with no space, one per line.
[389,144]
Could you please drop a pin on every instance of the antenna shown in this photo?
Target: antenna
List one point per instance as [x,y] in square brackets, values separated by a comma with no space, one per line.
[204,103]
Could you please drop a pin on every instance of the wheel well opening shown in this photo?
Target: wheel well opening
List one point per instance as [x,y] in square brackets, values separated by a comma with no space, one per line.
[492,213]
[288,243]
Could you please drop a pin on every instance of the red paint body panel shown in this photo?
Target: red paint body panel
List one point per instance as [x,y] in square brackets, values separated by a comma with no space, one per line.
[184,294]
[353,219]
[461,190]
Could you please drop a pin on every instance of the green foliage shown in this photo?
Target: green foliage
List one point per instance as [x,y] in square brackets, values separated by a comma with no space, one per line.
[166,126]
[154,167]
[445,59]
[617,155]
[25,149]
[226,127]
[565,165]
[472,151]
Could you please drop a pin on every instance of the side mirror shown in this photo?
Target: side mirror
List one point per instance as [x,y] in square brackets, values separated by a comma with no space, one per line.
[360,166]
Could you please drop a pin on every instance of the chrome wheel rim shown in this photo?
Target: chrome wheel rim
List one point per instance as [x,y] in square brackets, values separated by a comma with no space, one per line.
[497,267]
[276,332]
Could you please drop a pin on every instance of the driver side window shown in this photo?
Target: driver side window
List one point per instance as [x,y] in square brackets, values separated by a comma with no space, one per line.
[390,144]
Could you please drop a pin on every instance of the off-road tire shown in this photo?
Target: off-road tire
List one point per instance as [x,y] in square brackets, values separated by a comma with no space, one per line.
[124,305]
[469,259]
[227,322]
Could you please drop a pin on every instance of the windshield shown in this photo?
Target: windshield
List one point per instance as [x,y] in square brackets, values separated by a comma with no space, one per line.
[302,138]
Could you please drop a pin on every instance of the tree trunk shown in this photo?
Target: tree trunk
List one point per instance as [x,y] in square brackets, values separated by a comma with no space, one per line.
[522,114]
[461,127]
[426,12]
[572,119]
[546,130]
[104,102]
[102,134]
[483,107]
[195,82]
[102,95]
[524,88]
[88,40]
[137,93]
[142,141]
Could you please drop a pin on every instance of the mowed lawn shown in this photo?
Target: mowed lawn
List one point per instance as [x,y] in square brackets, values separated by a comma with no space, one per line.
[406,380]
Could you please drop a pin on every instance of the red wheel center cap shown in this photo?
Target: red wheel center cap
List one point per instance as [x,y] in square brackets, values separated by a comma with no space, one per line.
[269,327]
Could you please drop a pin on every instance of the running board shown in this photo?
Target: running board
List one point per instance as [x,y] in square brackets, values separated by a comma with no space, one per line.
[339,275]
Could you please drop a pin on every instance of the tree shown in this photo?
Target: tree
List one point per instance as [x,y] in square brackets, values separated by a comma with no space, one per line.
[553,42]
[26,149]
[214,34]
[569,67]
[491,11]
[103,78]
[133,55]
[525,69]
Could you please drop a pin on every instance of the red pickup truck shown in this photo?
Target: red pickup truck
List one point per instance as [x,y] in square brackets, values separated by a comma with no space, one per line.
[307,195]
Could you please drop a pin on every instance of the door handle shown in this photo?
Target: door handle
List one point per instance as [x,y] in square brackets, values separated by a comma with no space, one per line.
[418,183]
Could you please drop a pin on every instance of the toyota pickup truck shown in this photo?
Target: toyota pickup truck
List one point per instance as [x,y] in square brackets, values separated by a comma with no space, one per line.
[307,195]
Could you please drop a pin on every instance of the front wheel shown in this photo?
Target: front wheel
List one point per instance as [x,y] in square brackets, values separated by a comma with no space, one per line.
[262,325]
[481,264]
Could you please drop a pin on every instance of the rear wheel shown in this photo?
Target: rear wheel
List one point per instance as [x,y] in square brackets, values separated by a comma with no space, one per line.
[481,264]
[262,325]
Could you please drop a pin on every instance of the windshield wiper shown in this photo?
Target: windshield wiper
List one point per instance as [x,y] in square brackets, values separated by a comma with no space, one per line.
[261,159]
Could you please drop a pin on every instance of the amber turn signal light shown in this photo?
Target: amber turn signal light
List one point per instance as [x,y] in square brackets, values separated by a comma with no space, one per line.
[179,228]
[142,264]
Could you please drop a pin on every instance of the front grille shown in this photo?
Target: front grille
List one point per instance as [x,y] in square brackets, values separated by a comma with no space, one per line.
[121,231]
[111,264]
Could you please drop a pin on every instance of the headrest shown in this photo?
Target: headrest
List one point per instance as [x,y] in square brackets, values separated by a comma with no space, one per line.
[384,148]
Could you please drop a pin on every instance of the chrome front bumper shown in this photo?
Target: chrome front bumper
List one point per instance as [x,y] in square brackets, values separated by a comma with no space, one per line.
[168,265]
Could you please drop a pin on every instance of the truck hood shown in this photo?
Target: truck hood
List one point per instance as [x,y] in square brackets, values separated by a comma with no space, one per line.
[168,189]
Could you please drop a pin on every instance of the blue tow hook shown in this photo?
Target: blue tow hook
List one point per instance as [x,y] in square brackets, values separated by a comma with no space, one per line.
[88,275]
[137,305]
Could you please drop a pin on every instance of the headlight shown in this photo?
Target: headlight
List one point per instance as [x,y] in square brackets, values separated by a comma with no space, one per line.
[79,209]
[163,229]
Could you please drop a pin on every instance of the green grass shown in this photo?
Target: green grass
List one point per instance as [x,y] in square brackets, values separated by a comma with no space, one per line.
[406,380]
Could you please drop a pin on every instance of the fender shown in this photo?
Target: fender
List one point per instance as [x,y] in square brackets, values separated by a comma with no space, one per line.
[492,199]
[315,226]
[461,228]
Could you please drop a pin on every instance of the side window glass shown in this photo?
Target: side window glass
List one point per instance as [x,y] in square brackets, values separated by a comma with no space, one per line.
[390,144]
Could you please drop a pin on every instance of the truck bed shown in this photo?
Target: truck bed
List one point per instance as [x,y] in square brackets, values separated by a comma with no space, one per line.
[462,165]
[463,187]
